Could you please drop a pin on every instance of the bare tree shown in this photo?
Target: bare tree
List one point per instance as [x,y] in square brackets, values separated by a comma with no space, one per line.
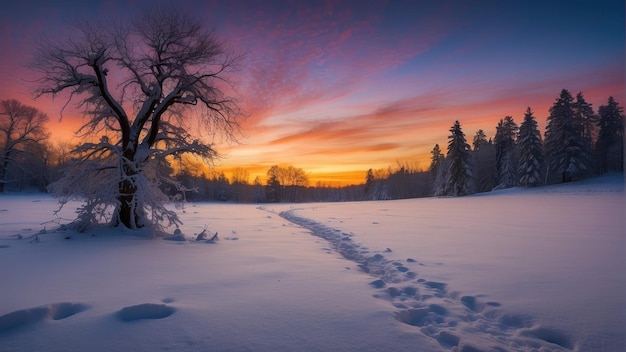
[283,183]
[240,178]
[294,179]
[150,89]
[20,127]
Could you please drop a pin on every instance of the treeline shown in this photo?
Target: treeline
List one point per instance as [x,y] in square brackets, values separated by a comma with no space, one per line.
[578,142]
[291,184]
[28,161]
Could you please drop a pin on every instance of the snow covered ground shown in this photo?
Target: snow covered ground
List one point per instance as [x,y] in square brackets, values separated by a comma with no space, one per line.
[513,270]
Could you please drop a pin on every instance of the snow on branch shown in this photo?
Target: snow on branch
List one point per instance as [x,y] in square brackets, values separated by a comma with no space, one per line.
[144,83]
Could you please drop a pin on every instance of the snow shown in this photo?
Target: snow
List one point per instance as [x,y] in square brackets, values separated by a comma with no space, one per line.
[537,269]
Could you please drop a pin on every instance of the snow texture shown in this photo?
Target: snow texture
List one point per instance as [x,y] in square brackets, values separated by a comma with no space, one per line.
[434,274]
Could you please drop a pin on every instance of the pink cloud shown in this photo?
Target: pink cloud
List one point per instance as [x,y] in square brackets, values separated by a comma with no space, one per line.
[316,53]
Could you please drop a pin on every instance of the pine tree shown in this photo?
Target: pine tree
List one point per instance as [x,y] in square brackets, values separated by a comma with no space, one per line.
[440,184]
[610,145]
[480,139]
[436,159]
[584,115]
[484,167]
[436,168]
[506,136]
[459,178]
[530,151]
[587,121]
[564,144]
[369,181]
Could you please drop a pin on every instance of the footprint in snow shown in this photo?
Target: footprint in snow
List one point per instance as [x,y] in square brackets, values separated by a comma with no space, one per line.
[145,311]
[56,311]
[437,313]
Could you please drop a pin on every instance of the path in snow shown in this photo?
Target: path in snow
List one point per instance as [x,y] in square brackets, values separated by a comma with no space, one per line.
[466,323]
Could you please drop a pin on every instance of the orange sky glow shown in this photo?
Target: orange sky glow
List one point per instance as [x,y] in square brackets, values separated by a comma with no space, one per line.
[339,87]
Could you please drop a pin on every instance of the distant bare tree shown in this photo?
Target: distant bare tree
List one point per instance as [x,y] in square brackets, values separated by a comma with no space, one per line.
[240,176]
[20,127]
[61,152]
[283,183]
[240,179]
[150,89]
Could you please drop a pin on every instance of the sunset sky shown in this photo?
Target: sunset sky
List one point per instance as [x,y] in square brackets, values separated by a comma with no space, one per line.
[338,87]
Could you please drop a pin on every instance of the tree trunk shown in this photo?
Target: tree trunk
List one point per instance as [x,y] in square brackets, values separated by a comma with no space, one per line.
[129,209]
[3,173]
[128,212]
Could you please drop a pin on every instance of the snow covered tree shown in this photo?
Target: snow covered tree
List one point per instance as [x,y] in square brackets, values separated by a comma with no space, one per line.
[505,139]
[564,144]
[436,169]
[459,180]
[530,148]
[20,126]
[440,183]
[610,144]
[151,89]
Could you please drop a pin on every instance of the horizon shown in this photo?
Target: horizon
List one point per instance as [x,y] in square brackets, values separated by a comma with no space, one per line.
[338,88]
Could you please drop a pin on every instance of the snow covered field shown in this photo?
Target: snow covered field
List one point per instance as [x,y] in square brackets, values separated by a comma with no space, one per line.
[514,270]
